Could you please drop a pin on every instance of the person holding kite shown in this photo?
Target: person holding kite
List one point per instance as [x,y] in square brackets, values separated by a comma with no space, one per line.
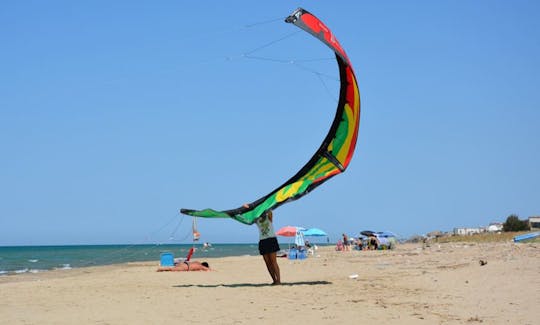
[268,245]
[332,158]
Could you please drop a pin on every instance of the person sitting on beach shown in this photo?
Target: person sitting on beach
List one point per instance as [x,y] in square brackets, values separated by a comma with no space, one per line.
[373,243]
[359,244]
[339,246]
[186,266]
[310,248]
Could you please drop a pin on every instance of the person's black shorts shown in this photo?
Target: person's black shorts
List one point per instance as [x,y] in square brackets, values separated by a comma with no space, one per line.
[268,245]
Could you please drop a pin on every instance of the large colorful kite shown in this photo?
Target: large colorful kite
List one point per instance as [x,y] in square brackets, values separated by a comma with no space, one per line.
[336,151]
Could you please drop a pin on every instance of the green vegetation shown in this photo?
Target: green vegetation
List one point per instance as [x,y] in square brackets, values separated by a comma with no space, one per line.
[481,238]
[514,224]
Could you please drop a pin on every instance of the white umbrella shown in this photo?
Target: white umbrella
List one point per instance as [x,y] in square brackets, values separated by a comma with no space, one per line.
[299,239]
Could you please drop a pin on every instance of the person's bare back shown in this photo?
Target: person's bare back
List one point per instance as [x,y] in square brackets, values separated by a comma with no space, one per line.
[186,266]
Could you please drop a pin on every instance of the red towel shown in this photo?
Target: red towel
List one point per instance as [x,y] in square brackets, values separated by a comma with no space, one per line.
[191,250]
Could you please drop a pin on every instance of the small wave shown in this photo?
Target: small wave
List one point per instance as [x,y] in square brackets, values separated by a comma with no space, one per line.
[65,267]
[21,271]
[35,271]
[3,272]
[33,260]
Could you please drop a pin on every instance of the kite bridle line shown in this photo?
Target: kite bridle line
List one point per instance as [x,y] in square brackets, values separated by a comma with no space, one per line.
[248,55]
[124,251]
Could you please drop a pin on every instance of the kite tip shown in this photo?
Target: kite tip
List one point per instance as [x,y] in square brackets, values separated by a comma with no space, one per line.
[294,16]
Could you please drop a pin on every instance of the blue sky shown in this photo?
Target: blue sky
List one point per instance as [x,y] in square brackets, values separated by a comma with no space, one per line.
[113,116]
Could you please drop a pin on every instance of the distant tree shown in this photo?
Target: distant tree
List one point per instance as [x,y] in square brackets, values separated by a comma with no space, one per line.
[514,224]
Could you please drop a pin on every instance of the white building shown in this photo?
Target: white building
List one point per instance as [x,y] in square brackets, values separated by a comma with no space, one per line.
[534,222]
[495,227]
[468,231]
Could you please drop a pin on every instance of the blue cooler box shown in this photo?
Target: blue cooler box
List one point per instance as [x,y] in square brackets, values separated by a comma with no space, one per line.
[167,259]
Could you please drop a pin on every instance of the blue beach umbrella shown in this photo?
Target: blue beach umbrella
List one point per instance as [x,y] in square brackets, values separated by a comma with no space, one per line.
[314,232]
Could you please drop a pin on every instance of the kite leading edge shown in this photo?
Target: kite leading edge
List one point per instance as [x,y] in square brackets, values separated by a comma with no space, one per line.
[335,152]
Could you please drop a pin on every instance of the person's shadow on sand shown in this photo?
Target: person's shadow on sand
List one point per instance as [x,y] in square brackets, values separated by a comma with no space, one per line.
[240,285]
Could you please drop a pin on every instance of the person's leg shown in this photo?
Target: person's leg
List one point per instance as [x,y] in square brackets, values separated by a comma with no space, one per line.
[275,268]
[269,266]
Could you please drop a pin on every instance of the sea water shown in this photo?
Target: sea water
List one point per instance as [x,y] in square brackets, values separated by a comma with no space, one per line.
[33,259]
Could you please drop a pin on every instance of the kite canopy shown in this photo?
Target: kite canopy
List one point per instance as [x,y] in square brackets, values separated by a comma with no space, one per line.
[336,150]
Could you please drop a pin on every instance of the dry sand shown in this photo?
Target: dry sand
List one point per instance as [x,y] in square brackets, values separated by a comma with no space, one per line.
[439,284]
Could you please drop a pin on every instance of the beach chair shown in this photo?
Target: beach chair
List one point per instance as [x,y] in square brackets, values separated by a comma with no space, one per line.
[292,254]
[166,259]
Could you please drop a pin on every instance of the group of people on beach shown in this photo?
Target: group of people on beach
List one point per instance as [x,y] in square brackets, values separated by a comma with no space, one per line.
[371,243]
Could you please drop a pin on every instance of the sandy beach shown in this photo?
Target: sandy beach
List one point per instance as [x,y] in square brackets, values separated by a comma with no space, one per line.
[413,284]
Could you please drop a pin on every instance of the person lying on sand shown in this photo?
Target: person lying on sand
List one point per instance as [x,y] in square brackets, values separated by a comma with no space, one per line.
[186,266]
